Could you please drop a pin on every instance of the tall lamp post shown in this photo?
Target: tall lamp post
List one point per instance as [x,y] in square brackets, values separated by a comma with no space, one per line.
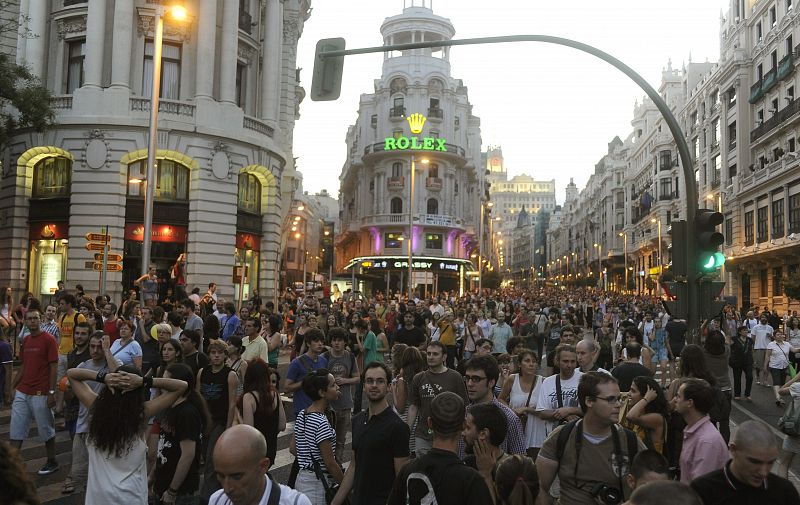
[625,258]
[178,12]
[484,205]
[411,224]
[660,258]
[599,248]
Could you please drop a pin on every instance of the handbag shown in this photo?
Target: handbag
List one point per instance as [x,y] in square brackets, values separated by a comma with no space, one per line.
[791,370]
[330,489]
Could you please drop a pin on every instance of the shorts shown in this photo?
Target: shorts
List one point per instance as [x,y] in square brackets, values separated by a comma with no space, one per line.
[778,376]
[27,407]
[676,351]
[758,358]
[791,444]
[659,355]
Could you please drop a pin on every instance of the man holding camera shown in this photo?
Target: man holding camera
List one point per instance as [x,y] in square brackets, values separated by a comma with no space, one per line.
[590,456]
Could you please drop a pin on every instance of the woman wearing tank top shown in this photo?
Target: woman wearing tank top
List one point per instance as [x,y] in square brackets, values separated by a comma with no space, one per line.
[259,405]
[520,394]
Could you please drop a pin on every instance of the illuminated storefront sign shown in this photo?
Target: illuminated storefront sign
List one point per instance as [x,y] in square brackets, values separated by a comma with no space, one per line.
[421,264]
[415,122]
[159,233]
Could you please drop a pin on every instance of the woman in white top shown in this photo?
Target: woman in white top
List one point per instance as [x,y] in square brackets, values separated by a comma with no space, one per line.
[791,445]
[777,360]
[125,348]
[116,443]
[520,394]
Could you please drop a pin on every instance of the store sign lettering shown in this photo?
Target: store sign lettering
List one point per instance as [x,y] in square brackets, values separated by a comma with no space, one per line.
[414,144]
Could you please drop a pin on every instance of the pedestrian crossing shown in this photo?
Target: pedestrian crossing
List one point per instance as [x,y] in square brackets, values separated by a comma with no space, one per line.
[49,486]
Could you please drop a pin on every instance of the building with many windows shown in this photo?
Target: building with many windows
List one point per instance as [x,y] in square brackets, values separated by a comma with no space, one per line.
[229,101]
[417,116]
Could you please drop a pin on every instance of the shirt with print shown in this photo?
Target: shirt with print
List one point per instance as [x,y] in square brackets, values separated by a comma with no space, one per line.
[310,430]
[188,426]
[66,325]
[344,367]
[424,388]
[38,351]
[547,398]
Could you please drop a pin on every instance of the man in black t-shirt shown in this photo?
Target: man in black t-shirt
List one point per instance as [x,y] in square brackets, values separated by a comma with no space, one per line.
[409,334]
[631,368]
[439,472]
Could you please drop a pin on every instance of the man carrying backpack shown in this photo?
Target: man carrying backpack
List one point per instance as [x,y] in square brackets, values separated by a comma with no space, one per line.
[590,456]
[439,477]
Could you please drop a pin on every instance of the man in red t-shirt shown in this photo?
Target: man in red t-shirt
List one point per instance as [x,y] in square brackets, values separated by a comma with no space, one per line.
[111,322]
[35,385]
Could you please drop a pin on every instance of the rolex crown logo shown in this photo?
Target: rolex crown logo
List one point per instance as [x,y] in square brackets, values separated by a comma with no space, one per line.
[415,122]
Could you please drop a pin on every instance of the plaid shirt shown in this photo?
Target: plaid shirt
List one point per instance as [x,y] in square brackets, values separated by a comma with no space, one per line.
[51,328]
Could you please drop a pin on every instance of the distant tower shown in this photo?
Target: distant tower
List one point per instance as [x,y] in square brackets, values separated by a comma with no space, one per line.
[523,219]
[572,191]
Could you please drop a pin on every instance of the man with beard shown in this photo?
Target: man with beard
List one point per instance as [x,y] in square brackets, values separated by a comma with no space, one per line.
[380,443]
[484,432]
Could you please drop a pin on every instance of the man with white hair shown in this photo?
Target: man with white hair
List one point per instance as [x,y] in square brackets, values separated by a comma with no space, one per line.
[587,351]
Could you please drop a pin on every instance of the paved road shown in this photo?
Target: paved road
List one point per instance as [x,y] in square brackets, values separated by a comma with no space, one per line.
[49,487]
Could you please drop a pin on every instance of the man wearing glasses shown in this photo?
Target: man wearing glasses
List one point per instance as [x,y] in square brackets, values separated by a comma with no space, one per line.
[380,443]
[593,455]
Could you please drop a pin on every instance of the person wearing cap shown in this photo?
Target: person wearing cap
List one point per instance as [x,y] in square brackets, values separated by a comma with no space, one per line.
[439,474]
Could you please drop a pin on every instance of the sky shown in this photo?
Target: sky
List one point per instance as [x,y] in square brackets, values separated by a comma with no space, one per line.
[552,109]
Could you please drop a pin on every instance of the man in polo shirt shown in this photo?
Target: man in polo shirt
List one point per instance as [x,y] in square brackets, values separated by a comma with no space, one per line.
[746,478]
[35,386]
[380,443]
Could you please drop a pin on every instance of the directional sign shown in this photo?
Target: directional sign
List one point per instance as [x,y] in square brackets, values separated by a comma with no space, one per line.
[111,257]
[98,266]
[94,246]
[98,237]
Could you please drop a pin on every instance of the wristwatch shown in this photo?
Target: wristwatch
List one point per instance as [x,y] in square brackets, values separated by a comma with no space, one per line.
[51,392]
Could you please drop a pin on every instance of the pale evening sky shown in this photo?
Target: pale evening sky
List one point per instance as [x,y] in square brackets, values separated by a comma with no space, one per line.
[552,109]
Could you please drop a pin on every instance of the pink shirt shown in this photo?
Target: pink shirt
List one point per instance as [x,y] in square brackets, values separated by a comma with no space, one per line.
[704,450]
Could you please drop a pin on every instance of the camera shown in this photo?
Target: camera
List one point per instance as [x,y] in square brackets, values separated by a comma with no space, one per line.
[605,494]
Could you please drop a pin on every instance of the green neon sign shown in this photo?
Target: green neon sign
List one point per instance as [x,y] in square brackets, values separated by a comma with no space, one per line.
[414,144]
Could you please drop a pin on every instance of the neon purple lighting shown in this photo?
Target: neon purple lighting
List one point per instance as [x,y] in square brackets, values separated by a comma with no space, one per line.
[376,237]
[416,238]
[451,239]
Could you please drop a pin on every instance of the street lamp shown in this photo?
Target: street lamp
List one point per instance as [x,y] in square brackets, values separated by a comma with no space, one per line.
[625,257]
[599,248]
[660,258]
[424,161]
[177,12]
[480,244]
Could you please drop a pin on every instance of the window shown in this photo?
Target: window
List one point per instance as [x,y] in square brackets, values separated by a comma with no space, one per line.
[762,277]
[777,281]
[291,252]
[455,189]
[732,171]
[774,59]
[748,228]
[51,178]
[170,70]
[760,71]
[794,213]
[433,206]
[76,55]
[789,45]
[433,170]
[732,134]
[759,34]
[665,160]
[396,205]
[249,193]
[792,144]
[731,96]
[397,133]
[172,177]
[696,146]
[773,18]
[434,103]
[433,241]
[761,225]
[392,240]
[729,231]
[241,81]
[777,218]
[715,133]
[717,164]
[665,190]
[397,169]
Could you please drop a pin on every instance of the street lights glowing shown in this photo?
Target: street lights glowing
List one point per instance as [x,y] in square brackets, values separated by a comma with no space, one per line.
[178,12]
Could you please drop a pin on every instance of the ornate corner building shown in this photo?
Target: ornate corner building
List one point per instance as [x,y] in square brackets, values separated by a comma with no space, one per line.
[228,103]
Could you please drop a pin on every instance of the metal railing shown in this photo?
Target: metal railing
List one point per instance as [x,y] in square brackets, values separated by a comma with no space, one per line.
[397,112]
[251,123]
[175,107]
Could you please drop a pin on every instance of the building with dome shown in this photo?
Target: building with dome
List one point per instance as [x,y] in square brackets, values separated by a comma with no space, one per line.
[417,115]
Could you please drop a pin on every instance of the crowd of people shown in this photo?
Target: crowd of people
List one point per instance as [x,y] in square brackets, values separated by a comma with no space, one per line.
[505,396]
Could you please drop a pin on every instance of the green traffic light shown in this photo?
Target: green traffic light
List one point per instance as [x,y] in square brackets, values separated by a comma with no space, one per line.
[712,261]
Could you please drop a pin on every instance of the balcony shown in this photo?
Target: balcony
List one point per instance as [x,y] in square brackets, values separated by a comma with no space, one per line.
[397,112]
[433,183]
[435,113]
[374,219]
[770,80]
[785,66]
[251,123]
[776,119]
[61,102]
[175,107]
[246,22]
[396,182]
[756,92]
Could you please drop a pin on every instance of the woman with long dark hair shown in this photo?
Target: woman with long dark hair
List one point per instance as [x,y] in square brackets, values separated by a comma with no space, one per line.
[170,353]
[515,481]
[115,443]
[273,338]
[411,364]
[260,405]
[649,411]
[183,427]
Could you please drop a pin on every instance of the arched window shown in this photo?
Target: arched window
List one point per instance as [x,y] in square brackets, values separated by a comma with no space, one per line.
[249,193]
[172,180]
[51,178]
[433,206]
[397,205]
[433,171]
[397,169]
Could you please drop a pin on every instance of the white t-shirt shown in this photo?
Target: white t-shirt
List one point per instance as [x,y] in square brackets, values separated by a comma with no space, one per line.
[761,333]
[546,398]
[778,358]
[288,496]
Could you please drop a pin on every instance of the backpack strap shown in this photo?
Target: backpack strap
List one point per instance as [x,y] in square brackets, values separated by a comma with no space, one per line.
[275,493]
[561,441]
[558,391]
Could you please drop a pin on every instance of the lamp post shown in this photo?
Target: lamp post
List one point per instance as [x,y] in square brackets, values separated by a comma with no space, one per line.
[480,245]
[178,12]
[411,224]
[660,258]
[599,248]
[625,258]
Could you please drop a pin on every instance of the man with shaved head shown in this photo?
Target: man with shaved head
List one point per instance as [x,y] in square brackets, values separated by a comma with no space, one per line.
[746,478]
[241,465]
[664,492]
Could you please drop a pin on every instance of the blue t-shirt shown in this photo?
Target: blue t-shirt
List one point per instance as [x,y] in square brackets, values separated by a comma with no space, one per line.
[298,369]
[127,353]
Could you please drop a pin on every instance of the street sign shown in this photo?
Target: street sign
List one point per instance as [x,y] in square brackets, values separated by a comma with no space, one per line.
[94,246]
[111,257]
[98,266]
[98,237]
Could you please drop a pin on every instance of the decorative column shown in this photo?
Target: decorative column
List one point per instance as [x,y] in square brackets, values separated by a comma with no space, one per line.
[24,8]
[271,51]
[206,49]
[228,50]
[95,42]
[123,41]
[35,44]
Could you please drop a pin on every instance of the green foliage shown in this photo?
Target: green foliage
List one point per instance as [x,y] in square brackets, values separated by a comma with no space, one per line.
[791,285]
[25,102]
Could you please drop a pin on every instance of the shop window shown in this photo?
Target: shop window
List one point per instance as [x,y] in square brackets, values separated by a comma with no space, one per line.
[396,205]
[172,180]
[433,206]
[76,54]
[392,240]
[170,70]
[51,178]
[433,241]
[249,193]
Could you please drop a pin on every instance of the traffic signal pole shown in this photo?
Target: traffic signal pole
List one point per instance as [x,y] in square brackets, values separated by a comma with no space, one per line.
[327,84]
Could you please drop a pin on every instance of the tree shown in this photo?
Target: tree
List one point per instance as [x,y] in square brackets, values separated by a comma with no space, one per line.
[24,101]
[791,285]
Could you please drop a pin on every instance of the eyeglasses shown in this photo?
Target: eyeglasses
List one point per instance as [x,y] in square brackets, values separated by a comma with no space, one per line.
[610,399]
[473,378]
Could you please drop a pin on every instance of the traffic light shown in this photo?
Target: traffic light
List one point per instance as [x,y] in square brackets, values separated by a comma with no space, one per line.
[708,240]
[326,83]
[710,305]
[677,306]
[677,249]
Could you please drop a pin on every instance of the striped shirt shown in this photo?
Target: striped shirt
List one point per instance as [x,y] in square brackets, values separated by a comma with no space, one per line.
[51,328]
[310,429]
